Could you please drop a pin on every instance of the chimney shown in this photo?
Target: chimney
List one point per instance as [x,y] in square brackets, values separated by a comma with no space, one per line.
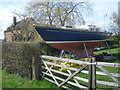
[14,21]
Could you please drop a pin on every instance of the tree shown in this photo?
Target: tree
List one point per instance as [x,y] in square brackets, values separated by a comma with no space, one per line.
[58,13]
[26,23]
[115,25]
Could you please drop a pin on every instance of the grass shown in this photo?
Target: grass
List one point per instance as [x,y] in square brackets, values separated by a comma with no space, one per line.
[98,77]
[115,52]
[13,81]
[0,78]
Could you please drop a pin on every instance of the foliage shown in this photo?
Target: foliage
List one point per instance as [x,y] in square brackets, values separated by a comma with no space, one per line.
[26,26]
[115,25]
[114,39]
[116,45]
[16,37]
[42,47]
[17,57]
[114,18]
[28,31]
[68,64]
[8,29]
[18,27]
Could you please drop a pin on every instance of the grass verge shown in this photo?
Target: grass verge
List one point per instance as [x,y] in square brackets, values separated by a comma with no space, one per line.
[13,81]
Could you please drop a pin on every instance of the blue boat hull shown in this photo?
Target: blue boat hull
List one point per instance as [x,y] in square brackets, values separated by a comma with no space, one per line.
[72,40]
[49,34]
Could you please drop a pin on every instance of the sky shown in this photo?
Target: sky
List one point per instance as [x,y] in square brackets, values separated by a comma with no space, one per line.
[100,9]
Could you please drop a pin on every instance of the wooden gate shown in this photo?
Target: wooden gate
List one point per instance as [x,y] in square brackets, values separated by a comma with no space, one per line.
[60,71]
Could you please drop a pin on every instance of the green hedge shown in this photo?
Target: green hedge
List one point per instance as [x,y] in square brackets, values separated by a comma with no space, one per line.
[17,56]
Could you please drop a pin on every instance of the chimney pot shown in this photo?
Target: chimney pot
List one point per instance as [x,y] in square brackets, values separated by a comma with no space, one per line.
[14,21]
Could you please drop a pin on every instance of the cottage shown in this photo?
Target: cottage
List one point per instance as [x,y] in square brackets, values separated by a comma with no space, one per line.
[20,31]
[12,31]
[8,35]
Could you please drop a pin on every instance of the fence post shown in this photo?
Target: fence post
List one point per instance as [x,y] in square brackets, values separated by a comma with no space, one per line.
[36,67]
[92,74]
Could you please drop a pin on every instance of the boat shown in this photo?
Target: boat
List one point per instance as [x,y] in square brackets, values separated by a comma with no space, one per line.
[72,39]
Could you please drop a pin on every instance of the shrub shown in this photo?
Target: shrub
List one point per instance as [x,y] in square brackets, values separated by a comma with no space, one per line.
[17,56]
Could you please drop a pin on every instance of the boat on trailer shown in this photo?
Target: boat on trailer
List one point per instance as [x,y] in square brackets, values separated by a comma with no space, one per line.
[72,39]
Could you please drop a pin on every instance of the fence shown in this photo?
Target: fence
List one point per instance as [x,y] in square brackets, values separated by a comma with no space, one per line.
[67,74]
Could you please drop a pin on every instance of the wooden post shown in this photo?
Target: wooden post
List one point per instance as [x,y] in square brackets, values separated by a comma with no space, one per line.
[36,67]
[92,74]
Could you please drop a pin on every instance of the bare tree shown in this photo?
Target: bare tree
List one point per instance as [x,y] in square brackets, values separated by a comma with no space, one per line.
[58,13]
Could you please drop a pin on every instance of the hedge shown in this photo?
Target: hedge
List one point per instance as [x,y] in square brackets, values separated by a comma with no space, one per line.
[18,56]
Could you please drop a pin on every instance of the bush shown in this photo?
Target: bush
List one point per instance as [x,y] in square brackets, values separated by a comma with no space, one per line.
[17,56]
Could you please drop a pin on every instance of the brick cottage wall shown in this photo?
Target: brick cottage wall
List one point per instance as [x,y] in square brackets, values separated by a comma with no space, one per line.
[9,34]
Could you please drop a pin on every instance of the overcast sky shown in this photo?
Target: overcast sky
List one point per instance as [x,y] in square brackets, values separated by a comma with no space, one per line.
[100,8]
